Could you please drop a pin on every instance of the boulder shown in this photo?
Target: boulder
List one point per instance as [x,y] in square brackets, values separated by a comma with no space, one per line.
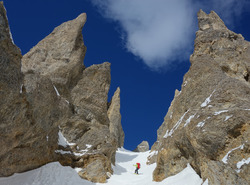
[142,147]
[95,170]
[207,124]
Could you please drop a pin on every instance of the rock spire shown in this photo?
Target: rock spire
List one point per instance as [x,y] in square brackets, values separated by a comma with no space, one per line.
[207,124]
[115,118]
[53,108]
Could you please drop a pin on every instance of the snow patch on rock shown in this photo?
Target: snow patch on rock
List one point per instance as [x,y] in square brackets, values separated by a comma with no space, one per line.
[228,117]
[57,93]
[62,140]
[241,163]
[219,112]
[169,133]
[208,100]
[189,119]
[225,158]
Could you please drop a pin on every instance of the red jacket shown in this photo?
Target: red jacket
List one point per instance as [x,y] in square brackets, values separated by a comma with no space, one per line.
[138,165]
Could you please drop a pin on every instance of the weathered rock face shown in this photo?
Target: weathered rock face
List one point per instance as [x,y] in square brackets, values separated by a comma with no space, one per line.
[96,169]
[11,76]
[88,126]
[54,92]
[142,147]
[59,56]
[207,124]
[83,94]
[28,131]
[114,116]
[90,95]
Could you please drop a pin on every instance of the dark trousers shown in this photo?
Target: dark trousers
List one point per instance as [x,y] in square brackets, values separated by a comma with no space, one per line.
[136,170]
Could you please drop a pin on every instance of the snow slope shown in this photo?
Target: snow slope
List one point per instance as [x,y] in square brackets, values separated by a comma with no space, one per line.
[55,174]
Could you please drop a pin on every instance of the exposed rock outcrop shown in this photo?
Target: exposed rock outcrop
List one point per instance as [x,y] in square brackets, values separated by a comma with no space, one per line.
[88,126]
[142,147]
[54,109]
[114,116]
[207,124]
[29,124]
[90,95]
[83,94]
[59,56]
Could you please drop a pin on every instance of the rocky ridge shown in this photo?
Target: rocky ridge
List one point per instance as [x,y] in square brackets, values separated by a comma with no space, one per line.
[207,124]
[53,108]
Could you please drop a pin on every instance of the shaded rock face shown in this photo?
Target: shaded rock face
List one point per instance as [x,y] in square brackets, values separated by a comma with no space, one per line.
[96,166]
[28,134]
[88,126]
[114,116]
[142,147]
[54,109]
[207,124]
[90,95]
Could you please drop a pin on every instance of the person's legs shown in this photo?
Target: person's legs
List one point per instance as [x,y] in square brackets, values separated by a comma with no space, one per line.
[136,170]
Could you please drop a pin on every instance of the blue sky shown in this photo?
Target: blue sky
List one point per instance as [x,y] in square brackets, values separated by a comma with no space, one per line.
[147,42]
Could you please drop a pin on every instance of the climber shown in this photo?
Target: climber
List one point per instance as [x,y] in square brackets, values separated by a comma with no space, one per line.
[138,166]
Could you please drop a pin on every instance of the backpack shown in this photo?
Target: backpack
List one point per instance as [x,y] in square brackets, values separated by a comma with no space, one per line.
[138,165]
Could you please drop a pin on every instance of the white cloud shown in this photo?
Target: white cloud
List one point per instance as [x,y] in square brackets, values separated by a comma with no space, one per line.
[161,31]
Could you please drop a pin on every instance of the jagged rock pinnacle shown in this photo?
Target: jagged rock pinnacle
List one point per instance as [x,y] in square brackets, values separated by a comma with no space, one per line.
[55,91]
[209,117]
[60,55]
[115,118]
[210,21]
